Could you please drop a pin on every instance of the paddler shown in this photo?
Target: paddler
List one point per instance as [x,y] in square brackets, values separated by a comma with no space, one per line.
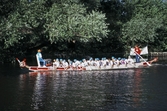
[137,52]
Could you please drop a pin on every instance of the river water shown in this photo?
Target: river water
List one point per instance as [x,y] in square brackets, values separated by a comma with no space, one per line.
[141,89]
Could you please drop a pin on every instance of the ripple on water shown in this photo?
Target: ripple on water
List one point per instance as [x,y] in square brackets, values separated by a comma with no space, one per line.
[116,90]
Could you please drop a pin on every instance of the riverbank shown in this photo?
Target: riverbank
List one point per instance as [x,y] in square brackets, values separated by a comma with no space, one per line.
[160,55]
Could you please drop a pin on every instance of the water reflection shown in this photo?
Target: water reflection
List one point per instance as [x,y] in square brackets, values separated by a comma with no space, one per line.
[137,90]
[38,91]
[116,90]
[88,90]
[76,89]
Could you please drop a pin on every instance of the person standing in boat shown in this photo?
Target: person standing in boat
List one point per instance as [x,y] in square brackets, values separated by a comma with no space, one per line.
[41,60]
[137,51]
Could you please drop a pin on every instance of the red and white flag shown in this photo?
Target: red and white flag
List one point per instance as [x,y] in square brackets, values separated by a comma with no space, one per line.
[144,51]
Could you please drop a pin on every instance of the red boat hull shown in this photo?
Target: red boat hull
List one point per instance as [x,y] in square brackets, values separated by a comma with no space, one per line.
[36,68]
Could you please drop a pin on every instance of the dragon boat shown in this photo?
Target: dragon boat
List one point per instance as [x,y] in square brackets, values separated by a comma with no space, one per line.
[52,67]
[109,65]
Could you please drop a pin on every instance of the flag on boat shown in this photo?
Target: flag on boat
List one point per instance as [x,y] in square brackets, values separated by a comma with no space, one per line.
[144,51]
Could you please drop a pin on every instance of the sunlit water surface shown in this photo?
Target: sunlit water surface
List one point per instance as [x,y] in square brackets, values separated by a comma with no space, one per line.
[143,89]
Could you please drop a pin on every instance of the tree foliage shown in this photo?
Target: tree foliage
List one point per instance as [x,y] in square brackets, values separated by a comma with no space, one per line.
[143,26]
[93,25]
[73,22]
[36,23]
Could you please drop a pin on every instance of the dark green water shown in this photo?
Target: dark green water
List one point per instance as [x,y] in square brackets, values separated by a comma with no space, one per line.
[142,89]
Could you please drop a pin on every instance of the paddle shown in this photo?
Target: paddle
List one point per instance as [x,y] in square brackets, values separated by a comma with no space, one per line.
[142,58]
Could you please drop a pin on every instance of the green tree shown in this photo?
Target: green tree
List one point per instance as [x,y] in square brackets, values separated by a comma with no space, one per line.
[114,12]
[36,24]
[70,21]
[146,20]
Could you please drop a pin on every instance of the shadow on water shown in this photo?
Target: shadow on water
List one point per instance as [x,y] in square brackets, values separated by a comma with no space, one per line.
[12,70]
[9,69]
